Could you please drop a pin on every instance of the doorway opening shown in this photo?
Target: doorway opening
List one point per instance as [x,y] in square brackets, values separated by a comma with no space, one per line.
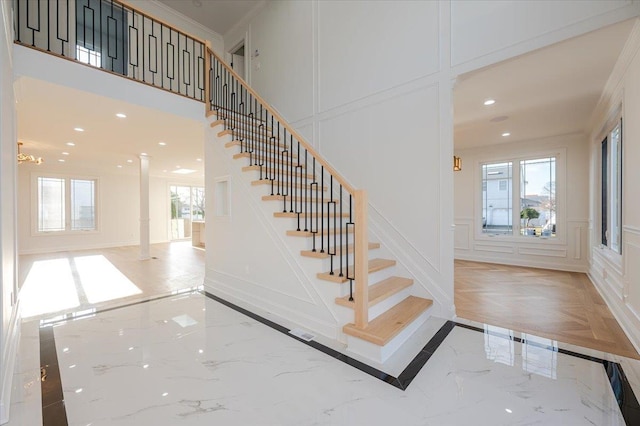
[237,60]
[187,207]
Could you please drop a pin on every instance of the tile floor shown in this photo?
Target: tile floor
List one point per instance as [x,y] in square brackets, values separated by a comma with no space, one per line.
[189,360]
[186,359]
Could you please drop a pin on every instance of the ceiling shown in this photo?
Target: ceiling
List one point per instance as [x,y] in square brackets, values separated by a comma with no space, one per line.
[47,115]
[548,92]
[218,15]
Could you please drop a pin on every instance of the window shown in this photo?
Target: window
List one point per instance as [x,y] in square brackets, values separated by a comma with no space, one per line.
[497,211]
[88,56]
[538,197]
[611,187]
[534,194]
[66,204]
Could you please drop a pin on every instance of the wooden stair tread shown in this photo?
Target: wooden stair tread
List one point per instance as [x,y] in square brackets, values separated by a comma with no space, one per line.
[374,266]
[318,255]
[221,122]
[282,172]
[324,232]
[248,134]
[287,184]
[385,327]
[267,160]
[380,291]
[302,215]
[276,197]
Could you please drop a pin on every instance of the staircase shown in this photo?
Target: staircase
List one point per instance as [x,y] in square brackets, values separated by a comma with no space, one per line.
[322,209]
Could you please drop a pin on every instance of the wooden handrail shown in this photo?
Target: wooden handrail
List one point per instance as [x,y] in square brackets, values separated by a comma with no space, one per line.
[346,185]
[361,263]
[165,23]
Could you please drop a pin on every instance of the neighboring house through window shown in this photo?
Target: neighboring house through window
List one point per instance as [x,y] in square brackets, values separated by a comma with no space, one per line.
[534,194]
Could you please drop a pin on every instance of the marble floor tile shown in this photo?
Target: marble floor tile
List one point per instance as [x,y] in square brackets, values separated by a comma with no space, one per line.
[189,360]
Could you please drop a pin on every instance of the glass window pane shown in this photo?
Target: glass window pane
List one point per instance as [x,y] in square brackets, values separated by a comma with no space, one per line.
[51,214]
[198,203]
[604,187]
[538,197]
[83,205]
[497,211]
[616,188]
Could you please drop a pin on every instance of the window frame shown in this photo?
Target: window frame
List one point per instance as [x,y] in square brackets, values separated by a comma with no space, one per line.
[36,232]
[606,196]
[516,158]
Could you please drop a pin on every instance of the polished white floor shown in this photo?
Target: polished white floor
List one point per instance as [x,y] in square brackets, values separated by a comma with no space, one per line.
[188,360]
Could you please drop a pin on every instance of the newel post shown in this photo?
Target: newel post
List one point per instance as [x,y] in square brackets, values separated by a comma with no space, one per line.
[361,244]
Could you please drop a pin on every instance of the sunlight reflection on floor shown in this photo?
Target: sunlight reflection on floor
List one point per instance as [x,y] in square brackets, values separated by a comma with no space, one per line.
[51,286]
[102,281]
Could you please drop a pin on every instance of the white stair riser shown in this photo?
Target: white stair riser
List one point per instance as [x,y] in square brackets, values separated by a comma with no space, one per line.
[388,303]
[381,353]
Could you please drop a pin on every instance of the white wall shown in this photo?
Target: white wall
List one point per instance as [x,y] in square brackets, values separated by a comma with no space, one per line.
[569,250]
[9,333]
[484,32]
[618,277]
[344,74]
[369,83]
[118,210]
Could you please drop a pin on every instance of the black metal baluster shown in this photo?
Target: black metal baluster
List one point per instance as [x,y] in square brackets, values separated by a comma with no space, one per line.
[341,234]
[306,192]
[331,252]
[322,210]
[350,277]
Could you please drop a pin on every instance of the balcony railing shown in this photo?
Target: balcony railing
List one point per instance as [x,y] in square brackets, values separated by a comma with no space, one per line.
[115,37]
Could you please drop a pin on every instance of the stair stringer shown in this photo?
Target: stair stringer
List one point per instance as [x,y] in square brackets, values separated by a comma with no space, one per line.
[312,306]
[412,264]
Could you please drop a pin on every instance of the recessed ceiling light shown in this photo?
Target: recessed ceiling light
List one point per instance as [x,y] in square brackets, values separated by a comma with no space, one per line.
[119,166]
[162,143]
[499,119]
[71,144]
[177,167]
[78,129]
[198,159]
[78,390]
[505,134]
[489,102]
[65,153]
[129,161]
[184,171]
[61,160]
[121,115]
[143,153]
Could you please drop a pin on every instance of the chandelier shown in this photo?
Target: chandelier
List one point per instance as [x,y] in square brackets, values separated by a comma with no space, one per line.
[25,158]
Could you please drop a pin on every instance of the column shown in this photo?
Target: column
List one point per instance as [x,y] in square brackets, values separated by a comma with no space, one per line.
[144,207]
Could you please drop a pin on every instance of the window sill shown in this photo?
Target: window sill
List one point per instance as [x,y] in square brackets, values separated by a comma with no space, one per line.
[63,233]
[521,239]
[611,257]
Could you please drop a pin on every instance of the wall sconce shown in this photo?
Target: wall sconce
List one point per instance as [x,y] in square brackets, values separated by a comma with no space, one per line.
[457,164]
[26,158]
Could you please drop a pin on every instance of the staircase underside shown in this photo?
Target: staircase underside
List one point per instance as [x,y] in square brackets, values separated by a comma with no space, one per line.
[397,308]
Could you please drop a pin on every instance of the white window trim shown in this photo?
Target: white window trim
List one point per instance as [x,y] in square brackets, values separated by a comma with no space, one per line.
[613,118]
[561,203]
[34,205]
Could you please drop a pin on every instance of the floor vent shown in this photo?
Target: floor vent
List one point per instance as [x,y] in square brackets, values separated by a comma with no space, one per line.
[304,335]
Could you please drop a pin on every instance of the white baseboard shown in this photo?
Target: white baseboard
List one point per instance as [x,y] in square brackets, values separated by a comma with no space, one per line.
[9,355]
[627,319]
[544,264]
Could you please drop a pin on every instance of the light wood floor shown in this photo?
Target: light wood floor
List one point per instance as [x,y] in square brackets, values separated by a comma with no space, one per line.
[174,266]
[563,306]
